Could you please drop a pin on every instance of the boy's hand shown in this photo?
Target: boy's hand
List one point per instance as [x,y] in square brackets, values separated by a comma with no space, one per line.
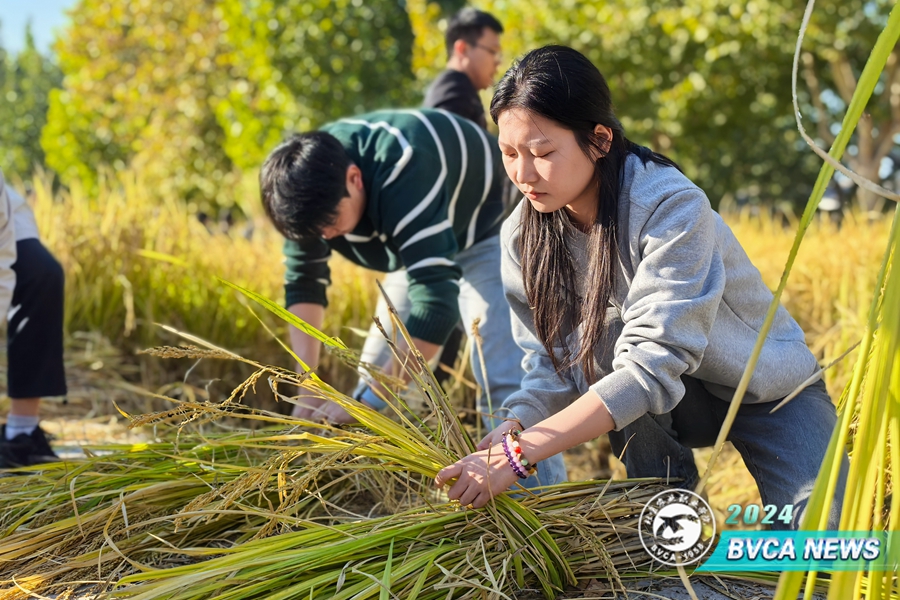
[319,409]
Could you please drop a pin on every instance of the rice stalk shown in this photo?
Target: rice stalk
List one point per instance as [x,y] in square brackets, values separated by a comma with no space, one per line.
[182,524]
[309,563]
[880,411]
[270,513]
[165,504]
[874,387]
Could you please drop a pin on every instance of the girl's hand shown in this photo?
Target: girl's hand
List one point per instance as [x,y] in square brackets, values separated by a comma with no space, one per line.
[479,477]
[496,436]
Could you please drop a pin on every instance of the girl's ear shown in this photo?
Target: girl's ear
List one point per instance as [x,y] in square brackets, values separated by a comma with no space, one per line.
[603,132]
[604,137]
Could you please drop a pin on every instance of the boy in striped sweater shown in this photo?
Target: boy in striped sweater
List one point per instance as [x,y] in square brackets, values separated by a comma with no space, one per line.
[419,189]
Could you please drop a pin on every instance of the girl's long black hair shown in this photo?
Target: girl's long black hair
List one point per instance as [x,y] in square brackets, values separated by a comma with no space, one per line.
[561,84]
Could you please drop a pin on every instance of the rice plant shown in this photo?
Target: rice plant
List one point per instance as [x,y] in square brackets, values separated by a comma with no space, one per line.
[134,259]
[305,509]
[874,390]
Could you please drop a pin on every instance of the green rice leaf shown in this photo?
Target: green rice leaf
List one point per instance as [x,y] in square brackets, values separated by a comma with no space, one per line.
[288,316]
[386,578]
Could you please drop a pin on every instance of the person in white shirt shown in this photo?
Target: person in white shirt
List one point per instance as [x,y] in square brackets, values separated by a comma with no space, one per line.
[31,303]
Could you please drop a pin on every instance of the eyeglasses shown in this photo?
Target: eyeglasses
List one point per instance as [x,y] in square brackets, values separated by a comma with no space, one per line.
[498,54]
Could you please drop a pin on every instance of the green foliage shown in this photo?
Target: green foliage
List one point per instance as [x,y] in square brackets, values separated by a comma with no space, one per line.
[25,83]
[255,108]
[191,92]
[708,81]
[142,82]
[178,90]
[838,44]
[340,57]
[429,53]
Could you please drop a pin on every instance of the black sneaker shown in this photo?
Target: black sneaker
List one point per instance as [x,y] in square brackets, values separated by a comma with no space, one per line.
[25,450]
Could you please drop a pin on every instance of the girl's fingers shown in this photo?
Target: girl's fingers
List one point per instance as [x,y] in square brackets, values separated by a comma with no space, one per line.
[457,490]
[495,436]
[469,496]
[482,500]
[447,473]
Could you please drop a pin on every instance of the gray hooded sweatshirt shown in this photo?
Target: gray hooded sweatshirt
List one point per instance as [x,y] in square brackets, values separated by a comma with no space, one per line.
[688,301]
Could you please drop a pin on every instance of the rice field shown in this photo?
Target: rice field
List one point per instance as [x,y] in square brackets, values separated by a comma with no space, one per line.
[225,498]
[134,261]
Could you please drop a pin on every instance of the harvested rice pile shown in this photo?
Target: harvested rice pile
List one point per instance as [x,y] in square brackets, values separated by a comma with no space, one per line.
[297,509]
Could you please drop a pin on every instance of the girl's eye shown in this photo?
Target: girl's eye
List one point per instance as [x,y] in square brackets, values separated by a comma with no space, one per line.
[544,155]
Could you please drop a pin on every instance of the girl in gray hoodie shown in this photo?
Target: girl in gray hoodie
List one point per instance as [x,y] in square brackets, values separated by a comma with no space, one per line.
[636,307]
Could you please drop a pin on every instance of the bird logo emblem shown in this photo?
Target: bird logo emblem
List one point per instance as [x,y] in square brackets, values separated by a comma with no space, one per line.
[677,527]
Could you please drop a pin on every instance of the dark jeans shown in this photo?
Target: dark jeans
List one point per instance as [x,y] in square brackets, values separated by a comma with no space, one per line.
[783,451]
[34,332]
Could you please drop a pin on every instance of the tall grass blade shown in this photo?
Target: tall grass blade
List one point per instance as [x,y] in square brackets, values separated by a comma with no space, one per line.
[288,316]
[845,585]
[869,78]
[386,578]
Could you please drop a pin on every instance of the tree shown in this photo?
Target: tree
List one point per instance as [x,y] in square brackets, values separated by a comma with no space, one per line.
[25,83]
[703,81]
[708,81]
[143,81]
[838,45]
[189,93]
[340,57]
[429,55]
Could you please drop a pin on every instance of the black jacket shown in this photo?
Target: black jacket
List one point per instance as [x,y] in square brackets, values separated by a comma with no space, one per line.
[453,91]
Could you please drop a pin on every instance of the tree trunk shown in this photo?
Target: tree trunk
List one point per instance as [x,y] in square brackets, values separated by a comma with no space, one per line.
[869,202]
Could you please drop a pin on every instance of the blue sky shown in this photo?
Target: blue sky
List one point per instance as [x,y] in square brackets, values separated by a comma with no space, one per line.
[46,16]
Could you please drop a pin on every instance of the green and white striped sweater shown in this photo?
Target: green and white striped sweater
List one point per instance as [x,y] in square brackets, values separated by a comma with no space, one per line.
[433,188]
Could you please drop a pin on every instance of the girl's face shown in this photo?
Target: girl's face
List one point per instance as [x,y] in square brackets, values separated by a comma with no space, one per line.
[546,163]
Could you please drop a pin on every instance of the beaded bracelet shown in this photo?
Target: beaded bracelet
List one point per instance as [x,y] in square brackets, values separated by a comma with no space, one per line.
[513,451]
[512,461]
[516,451]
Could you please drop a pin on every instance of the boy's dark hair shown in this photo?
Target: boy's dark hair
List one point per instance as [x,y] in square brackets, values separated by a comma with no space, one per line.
[302,182]
[468,25]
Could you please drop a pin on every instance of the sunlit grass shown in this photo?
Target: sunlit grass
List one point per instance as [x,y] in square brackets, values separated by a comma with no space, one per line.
[133,259]
[832,282]
[299,508]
